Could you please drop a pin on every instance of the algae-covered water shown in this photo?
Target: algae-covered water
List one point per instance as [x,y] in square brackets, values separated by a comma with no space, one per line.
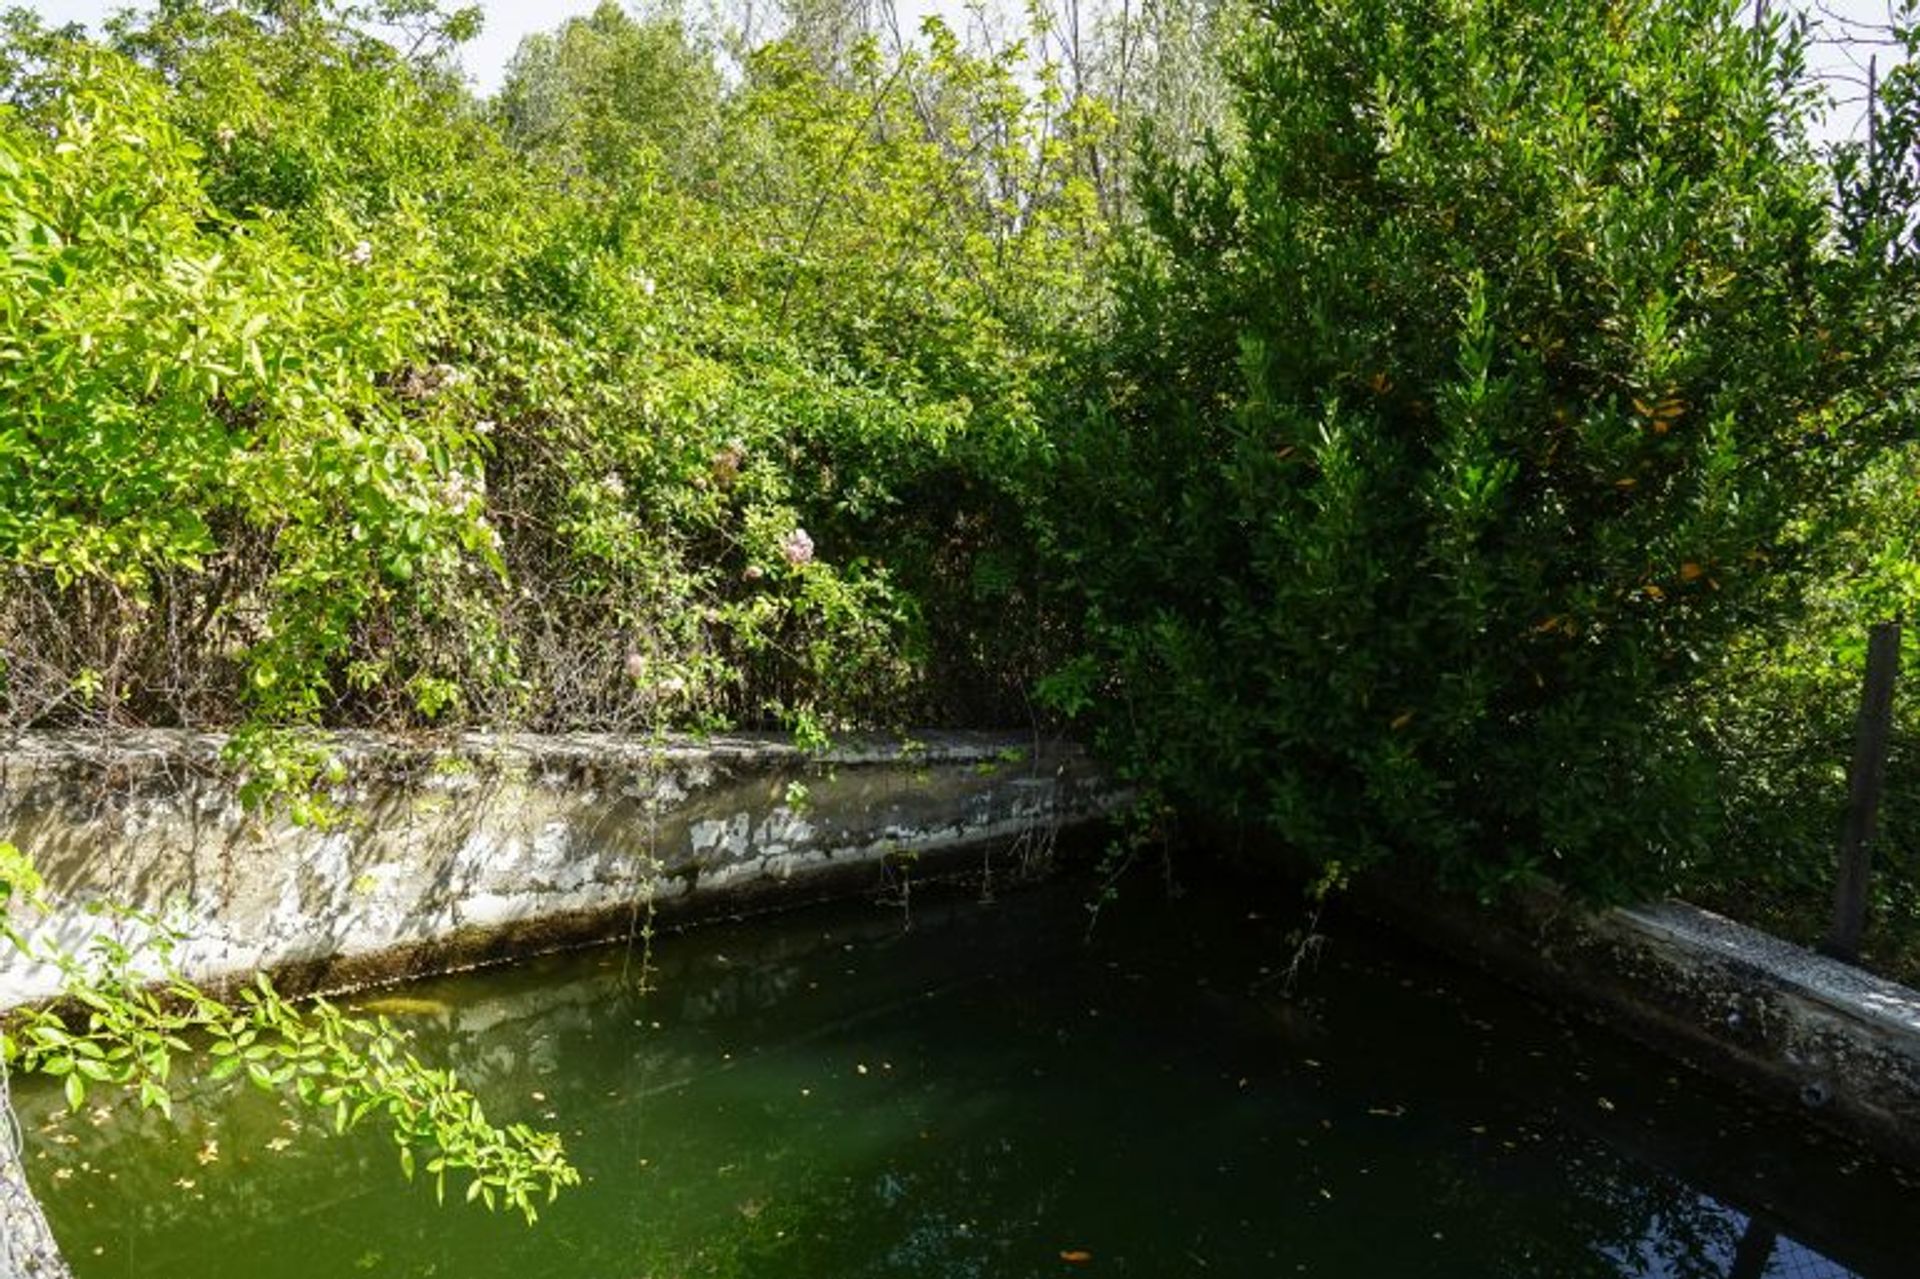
[976,1090]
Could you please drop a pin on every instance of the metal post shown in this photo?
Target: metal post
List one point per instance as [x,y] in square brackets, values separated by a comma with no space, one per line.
[1863,791]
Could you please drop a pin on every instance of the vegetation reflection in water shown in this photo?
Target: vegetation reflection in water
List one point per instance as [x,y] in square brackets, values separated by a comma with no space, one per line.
[835,1093]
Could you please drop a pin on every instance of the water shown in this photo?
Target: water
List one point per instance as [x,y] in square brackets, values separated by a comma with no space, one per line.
[835,1094]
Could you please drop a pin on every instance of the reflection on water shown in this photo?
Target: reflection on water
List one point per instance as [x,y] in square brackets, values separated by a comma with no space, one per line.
[982,1094]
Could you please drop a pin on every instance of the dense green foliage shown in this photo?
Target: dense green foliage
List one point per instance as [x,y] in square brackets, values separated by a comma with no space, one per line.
[1507,380]
[328,398]
[1475,433]
[1780,713]
[1469,431]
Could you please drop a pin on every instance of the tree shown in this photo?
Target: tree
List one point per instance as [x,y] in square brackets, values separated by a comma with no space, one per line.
[614,97]
[1460,416]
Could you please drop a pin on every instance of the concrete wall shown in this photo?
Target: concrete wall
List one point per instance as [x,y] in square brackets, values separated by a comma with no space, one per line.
[1807,1032]
[459,852]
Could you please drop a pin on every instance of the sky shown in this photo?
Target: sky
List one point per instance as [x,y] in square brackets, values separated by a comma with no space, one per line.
[485,58]
[508,21]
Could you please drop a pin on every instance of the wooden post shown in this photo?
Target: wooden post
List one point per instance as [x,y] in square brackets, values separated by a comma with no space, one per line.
[1863,792]
[1754,1251]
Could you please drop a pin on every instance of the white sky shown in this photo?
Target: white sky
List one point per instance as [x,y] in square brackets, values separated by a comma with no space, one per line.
[485,58]
[507,21]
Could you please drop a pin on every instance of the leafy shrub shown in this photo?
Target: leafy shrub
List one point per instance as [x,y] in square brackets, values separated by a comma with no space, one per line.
[1458,422]
[333,397]
[179,387]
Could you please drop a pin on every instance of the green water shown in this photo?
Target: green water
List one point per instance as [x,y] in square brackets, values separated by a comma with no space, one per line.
[835,1093]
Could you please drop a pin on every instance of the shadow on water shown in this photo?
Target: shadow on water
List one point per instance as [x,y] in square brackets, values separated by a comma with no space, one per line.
[834,1093]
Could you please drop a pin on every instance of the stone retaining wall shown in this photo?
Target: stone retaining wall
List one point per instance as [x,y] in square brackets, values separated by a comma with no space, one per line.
[457,852]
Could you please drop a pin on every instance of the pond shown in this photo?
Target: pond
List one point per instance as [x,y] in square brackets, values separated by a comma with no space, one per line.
[973,1088]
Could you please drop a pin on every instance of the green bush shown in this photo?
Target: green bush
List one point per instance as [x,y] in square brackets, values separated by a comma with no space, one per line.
[176,382]
[1472,457]
[333,397]
[1459,420]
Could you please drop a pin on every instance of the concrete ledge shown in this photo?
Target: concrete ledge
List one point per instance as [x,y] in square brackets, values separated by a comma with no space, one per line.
[459,851]
[1838,1043]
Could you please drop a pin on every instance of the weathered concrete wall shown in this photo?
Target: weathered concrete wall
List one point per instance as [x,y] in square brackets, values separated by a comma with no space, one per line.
[451,854]
[1807,1031]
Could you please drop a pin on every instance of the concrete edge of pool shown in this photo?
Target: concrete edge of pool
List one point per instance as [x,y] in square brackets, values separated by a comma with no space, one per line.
[465,850]
[473,849]
[1801,1030]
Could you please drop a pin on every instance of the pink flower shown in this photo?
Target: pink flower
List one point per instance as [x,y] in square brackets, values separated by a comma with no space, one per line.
[636,666]
[797,547]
